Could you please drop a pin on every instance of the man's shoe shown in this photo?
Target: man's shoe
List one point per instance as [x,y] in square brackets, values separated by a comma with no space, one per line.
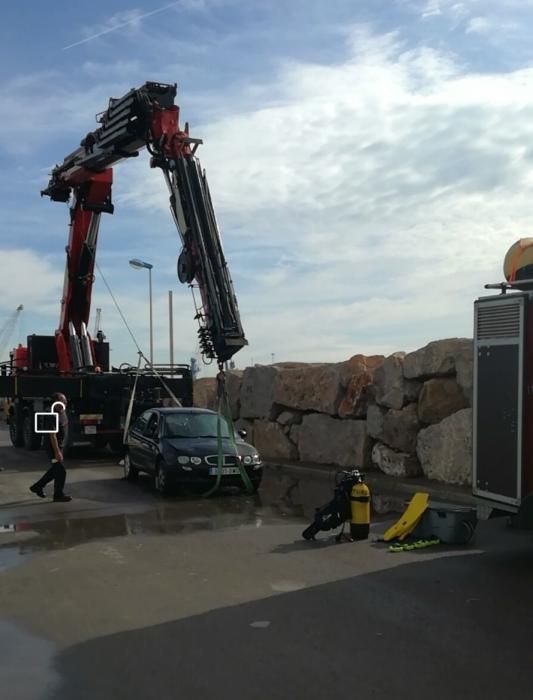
[62,498]
[37,490]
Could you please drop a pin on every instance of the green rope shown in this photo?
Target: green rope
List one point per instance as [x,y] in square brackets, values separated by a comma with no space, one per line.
[224,412]
[242,468]
[220,456]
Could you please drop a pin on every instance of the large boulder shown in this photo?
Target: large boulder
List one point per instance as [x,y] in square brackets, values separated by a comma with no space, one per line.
[290,365]
[436,359]
[272,442]
[400,428]
[395,463]
[391,389]
[464,367]
[316,387]
[331,388]
[248,425]
[328,440]
[358,373]
[412,389]
[289,418]
[294,433]
[205,393]
[233,388]
[257,391]
[445,449]
[360,363]
[354,403]
[440,398]
[389,381]
[375,418]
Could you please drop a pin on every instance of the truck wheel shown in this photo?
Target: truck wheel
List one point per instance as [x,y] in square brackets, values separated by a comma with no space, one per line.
[31,439]
[15,431]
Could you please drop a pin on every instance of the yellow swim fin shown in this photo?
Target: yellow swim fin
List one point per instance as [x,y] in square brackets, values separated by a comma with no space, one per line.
[409,520]
[409,528]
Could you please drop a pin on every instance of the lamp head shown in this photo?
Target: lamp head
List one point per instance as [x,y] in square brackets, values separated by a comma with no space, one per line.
[140,264]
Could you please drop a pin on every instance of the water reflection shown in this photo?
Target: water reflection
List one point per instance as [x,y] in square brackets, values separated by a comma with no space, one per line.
[282,497]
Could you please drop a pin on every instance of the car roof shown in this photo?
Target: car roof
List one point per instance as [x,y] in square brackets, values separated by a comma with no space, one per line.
[176,410]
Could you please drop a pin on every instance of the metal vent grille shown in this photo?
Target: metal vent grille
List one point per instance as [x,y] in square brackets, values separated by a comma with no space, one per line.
[229,460]
[498,321]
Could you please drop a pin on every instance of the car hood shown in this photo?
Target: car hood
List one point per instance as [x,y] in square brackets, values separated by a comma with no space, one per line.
[201,447]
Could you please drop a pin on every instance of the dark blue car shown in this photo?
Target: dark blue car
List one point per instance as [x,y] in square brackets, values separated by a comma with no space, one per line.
[178,446]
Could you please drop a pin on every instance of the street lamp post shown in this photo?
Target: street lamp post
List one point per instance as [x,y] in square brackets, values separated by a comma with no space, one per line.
[141,265]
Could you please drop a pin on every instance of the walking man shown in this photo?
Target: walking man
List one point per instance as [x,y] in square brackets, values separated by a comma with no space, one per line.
[53,445]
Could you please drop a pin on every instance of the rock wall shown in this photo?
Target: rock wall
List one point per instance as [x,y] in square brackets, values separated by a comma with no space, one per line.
[406,415]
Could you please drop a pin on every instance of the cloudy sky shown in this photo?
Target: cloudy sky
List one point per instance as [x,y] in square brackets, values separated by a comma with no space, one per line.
[370,163]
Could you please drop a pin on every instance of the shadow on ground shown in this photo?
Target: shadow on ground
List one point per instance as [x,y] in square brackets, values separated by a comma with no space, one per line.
[456,627]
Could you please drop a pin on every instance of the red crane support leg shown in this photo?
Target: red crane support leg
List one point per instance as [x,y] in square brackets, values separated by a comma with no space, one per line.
[90,200]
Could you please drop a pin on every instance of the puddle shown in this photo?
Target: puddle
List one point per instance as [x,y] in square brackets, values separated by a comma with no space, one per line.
[281,499]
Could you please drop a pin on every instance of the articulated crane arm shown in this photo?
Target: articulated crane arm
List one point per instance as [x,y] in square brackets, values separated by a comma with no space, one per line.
[144,117]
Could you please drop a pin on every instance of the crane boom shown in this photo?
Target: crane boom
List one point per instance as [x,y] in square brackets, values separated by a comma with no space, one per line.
[144,117]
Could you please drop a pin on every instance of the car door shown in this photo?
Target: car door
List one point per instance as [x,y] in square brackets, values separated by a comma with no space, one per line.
[136,439]
[151,443]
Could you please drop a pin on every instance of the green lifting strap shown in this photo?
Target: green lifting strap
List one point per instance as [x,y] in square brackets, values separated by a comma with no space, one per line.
[242,469]
[417,544]
[224,413]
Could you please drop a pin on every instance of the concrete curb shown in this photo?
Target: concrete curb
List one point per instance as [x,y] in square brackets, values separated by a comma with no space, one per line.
[389,494]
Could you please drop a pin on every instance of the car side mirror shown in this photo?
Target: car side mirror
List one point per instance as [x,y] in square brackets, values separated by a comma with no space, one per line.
[243,433]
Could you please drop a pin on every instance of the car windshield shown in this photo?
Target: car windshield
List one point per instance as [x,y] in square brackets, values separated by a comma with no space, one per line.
[194,425]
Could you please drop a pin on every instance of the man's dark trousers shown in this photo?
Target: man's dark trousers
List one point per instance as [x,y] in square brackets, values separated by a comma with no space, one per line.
[58,474]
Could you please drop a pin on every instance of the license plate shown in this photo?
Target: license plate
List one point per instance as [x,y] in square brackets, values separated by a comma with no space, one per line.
[226,471]
[90,429]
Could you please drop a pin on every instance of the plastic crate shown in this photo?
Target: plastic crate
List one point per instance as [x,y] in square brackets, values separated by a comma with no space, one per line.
[451,524]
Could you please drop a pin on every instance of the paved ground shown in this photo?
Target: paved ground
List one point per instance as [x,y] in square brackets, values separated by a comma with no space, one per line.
[123,594]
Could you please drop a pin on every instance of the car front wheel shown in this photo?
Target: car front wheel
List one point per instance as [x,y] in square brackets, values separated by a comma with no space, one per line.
[161,479]
[130,472]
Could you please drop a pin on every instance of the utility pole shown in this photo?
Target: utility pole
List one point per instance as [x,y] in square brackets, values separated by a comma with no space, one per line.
[142,265]
[171,329]
[151,319]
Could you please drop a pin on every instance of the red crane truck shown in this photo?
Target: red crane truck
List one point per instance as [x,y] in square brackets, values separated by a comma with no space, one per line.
[71,361]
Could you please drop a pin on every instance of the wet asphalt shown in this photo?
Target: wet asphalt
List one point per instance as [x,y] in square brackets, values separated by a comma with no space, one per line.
[125,594]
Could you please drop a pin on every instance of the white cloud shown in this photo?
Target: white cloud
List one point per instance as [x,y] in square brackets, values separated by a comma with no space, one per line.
[66,111]
[393,182]
[495,28]
[363,204]
[436,8]
[28,279]
[479,25]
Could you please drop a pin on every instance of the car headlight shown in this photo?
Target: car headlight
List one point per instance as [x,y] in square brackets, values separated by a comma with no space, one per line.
[256,459]
[182,459]
[247,459]
[196,460]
